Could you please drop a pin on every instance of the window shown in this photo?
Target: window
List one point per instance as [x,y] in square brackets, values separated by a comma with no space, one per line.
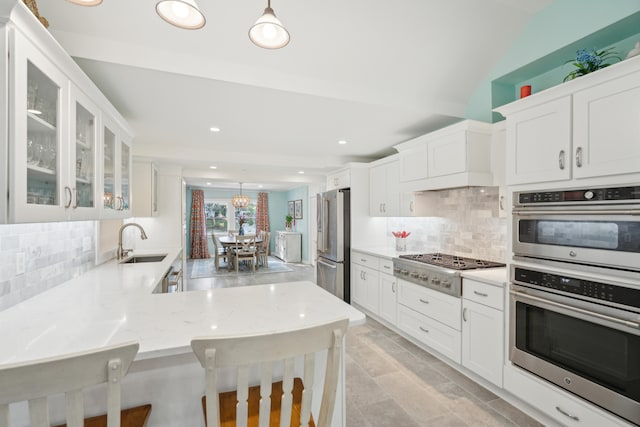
[216,216]
[249,215]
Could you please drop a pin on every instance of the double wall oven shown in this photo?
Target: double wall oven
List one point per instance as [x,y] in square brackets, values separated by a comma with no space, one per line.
[575,293]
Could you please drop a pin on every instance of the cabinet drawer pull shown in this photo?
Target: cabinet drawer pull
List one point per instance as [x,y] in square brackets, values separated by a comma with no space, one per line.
[387,267]
[423,329]
[579,157]
[464,314]
[77,195]
[561,159]
[424,301]
[501,203]
[363,260]
[480,294]
[393,287]
[69,193]
[566,414]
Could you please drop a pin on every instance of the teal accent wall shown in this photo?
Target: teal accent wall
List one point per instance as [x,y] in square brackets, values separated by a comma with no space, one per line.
[550,38]
[300,225]
[278,205]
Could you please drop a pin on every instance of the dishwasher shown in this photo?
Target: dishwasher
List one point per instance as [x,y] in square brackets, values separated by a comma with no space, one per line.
[173,280]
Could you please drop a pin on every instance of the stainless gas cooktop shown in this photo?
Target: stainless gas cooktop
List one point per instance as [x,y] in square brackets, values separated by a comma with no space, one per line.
[438,271]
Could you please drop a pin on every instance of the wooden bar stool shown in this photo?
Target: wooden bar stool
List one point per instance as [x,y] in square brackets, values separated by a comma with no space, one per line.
[282,403]
[69,374]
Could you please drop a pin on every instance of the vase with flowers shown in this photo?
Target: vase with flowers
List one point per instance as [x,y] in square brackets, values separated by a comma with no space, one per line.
[401,240]
[288,220]
[590,60]
[241,220]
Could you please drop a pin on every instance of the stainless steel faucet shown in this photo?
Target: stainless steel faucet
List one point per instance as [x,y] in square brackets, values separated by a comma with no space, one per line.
[124,252]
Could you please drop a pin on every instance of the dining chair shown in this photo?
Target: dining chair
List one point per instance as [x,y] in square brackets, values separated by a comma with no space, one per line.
[263,249]
[34,381]
[244,250]
[219,251]
[285,402]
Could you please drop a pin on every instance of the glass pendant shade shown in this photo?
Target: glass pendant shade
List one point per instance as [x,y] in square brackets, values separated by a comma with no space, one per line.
[240,200]
[181,13]
[268,32]
[86,2]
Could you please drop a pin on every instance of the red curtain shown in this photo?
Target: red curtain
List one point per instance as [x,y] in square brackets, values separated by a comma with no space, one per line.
[199,248]
[262,212]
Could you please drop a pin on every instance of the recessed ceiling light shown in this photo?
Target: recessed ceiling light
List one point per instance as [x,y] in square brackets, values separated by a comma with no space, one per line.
[300,171]
[259,185]
[342,142]
[213,167]
[208,183]
[214,129]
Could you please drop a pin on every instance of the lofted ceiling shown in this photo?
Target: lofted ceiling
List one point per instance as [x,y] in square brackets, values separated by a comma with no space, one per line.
[370,72]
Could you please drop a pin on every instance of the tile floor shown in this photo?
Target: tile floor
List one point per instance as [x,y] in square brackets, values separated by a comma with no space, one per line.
[392,382]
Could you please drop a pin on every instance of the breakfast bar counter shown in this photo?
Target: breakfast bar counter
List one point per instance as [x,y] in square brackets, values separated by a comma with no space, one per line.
[114,303]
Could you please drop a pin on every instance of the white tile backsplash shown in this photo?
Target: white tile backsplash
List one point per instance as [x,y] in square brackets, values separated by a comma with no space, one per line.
[468,225]
[54,253]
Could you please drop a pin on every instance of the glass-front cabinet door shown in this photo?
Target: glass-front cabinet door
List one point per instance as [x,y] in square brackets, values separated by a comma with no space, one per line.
[85,136]
[39,189]
[116,171]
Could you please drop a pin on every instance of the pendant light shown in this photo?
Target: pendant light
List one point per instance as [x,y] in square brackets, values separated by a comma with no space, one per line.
[240,201]
[86,2]
[181,13]
[268,32]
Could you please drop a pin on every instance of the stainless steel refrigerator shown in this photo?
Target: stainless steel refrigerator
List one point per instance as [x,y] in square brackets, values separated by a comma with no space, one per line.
[334,248]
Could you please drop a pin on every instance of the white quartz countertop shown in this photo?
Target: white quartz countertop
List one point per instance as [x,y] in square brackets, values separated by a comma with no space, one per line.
[492,276]
[114,303]
[383,252]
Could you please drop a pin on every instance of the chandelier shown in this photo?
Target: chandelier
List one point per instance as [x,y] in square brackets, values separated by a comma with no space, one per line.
[240,200]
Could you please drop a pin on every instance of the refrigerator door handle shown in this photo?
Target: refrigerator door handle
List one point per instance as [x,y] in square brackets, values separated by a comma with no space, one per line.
[333,266]
[320,221]
[325,223]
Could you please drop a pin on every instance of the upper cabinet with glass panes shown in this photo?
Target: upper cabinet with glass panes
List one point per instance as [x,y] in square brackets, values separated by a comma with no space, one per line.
[52,135]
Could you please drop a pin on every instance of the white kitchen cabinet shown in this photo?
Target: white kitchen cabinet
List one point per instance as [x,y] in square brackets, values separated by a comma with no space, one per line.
[539,143]
[431,317]
[39,136]
[388,297]
[586,128]
[145,192]
[418,204]
[116,169]
[52,128]
[366,288]
[455,156]
[606,129]
[339,179]
[554,402]
[384,195]
[483,329]
[289,246]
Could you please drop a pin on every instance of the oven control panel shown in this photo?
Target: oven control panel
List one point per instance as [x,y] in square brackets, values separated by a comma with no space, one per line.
[602,195]
[586,288]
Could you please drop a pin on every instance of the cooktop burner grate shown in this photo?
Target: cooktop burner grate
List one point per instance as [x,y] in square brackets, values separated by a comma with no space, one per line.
[453,262]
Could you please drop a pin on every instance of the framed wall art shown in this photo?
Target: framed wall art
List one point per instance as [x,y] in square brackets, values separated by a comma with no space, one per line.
[291,209]
[298,209]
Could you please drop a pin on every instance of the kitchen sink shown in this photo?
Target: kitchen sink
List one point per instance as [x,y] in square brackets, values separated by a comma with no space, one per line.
[143,258]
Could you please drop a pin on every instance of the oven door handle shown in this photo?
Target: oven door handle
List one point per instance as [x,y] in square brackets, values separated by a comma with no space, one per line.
[519,212]
[627,323]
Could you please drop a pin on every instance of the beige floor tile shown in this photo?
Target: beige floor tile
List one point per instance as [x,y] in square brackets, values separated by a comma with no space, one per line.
[361,389]
[515,415]
[411,397]
[387,414]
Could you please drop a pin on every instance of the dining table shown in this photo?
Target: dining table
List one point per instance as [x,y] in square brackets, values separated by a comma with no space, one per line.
[230,241]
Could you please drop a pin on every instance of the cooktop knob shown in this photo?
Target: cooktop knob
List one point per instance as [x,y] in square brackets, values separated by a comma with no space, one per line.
[446,283]
[588,194]
[435,280]
[414,274]
[424,277]
[404,272]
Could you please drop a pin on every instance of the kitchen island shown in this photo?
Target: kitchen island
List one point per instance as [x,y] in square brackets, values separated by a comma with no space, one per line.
[114,303]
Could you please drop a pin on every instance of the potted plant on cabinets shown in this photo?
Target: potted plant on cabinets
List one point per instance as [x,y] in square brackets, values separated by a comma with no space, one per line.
[288,220]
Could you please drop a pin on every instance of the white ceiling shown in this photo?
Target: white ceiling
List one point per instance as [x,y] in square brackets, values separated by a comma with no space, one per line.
[373,73]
